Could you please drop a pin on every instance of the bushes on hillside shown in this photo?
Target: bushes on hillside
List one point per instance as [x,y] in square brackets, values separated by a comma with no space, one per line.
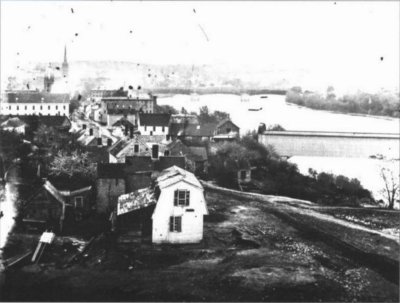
[278,177]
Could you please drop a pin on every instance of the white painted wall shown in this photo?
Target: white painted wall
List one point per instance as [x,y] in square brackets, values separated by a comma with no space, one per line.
[157,130]
[20,109]
[192,222]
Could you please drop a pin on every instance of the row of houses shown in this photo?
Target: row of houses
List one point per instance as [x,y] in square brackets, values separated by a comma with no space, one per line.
[157,201]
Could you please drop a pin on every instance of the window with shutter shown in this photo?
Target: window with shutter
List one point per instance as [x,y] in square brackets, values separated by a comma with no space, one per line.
[176,198]
[175,224]
[181,198]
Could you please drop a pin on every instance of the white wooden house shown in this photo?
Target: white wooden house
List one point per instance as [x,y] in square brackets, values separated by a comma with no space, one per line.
[177,206]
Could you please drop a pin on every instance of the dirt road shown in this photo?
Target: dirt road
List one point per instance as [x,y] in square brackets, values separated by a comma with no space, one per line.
[249,253]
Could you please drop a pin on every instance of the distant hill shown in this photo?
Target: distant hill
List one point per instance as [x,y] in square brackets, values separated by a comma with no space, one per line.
[86,75]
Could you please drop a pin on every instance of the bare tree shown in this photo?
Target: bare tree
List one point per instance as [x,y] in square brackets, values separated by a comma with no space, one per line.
[391,190]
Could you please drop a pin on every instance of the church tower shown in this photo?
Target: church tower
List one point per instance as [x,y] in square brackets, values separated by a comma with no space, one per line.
[65,64]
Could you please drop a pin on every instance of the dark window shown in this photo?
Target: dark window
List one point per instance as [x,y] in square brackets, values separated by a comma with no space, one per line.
[175,224]
[109,142]
[99,141]
[64,107]
[79,202]
[228,130]
[166,153]
[41,107]
[145,128]
[49,107]
[242,174]
[181,198]
[151,133]
[163,129]
[56,107]
[26,107]
[154,151]
[91,132]
[17,107]
[154,128]
[33,107]
[136,148]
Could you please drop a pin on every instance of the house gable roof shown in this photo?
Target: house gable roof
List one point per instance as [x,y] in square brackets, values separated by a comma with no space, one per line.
[154,119]
[123,122]
[176,174]
[169,161]
[221,123]
[36,97]
[54,192]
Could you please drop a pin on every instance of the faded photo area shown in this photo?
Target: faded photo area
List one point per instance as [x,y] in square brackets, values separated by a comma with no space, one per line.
[199,151]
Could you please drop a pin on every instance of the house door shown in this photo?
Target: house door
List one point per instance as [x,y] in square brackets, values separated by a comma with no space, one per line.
[154,150]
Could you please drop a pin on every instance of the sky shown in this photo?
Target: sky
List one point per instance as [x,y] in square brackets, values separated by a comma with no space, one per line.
[350,43]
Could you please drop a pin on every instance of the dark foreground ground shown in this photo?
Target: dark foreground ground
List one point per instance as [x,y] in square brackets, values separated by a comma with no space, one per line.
[249,253]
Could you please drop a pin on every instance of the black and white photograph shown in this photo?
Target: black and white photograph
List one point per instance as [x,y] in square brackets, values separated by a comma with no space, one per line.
[199,151]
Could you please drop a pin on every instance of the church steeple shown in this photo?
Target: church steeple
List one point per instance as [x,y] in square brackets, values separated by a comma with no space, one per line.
[65,64]
[65,54]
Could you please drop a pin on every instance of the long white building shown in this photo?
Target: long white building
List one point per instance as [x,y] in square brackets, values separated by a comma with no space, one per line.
[22,103]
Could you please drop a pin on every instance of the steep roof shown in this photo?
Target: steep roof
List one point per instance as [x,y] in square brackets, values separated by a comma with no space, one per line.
[54,192]
[225,121]
[198,153]
[169,161]
[36,97]
[123,122]
[117,147]
[136,200]
[154,119]
[195,153]
[176,174]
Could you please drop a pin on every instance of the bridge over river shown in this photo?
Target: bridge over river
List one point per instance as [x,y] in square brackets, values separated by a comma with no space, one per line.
[332,144]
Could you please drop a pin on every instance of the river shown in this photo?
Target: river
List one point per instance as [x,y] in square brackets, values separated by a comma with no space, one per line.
[292,117]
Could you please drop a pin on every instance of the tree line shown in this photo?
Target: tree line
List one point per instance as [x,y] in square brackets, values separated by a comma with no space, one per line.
[380,104]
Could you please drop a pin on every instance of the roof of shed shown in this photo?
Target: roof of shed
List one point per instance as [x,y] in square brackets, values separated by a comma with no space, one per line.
[136,200]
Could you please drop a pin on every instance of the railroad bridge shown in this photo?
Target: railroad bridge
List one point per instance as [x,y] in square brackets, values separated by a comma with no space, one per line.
[332,144]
